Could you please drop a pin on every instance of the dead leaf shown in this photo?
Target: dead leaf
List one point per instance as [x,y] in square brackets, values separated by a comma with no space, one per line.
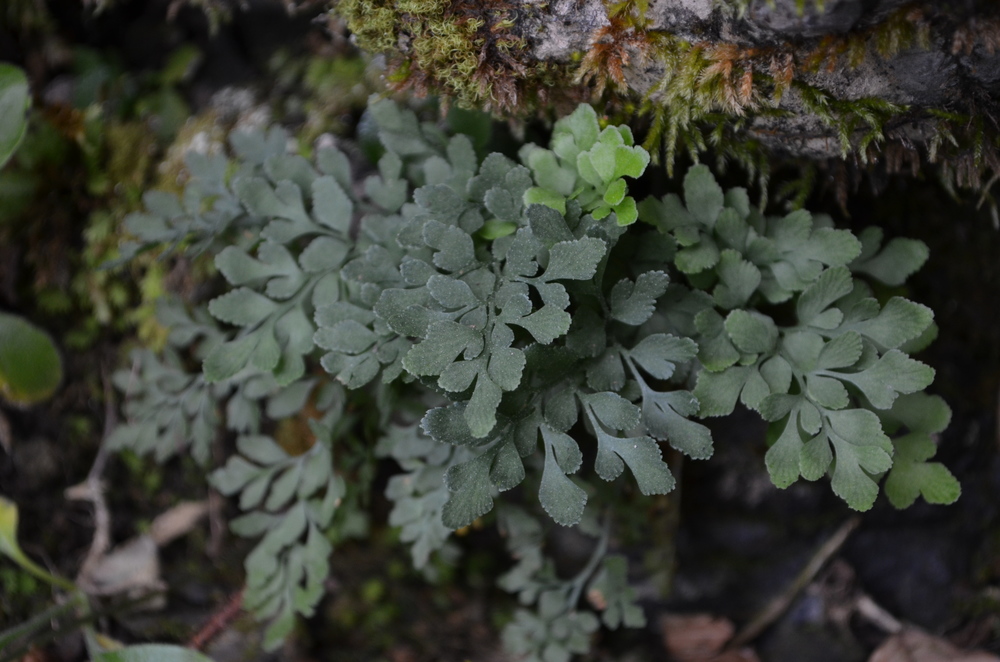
[177,521]
[132,568]
[914,645]
[701,638]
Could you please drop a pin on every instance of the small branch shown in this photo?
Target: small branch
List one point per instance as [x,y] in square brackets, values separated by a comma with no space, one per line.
[877,615]
[92,490]
[766,617]
[595,559]
[217,623]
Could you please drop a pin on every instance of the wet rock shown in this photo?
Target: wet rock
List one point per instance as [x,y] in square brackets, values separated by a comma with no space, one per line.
[983,67]
[566,28]
[786,19]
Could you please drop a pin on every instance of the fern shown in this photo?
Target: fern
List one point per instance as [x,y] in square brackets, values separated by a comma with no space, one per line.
[518,312]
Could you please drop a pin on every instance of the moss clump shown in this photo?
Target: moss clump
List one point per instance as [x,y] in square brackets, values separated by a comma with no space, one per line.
[471,52]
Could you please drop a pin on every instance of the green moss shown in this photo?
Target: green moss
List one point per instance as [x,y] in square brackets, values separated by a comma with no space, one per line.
[469,52]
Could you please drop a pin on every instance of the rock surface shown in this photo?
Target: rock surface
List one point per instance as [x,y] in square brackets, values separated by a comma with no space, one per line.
[922,56]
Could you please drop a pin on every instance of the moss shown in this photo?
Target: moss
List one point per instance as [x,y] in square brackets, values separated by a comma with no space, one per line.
[473,53]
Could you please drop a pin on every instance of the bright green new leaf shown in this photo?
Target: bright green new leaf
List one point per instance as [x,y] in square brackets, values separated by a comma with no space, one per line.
[546,197]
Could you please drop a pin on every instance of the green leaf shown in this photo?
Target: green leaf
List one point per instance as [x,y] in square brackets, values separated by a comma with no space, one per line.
[242,307]
[861,449]
[697,258]
[659,353]
[841,352]
[634,302]
[630,161]
[574,260]
[626,212]
[893,374]
[10,548]
[717,392]
[454,246]
[615,192]
[912,475]
[703,196]
[783,457]
[738,280]
[283,202]
[30,367]
[545,197]
[151,653]
[612,410]
[826,392]
[582,125]
[641,454]
[898,321]
[227,359]
[715,350]
[752,332]
[481,409]
[561,498]
[895,262]
[444,342]
[546,324]
[14,102]
[331,205]
[547,225]
[448,425]
[831,285]
[665,417]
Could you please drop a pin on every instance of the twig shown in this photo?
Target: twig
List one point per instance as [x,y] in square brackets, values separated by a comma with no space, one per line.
[877,615]
[767,616]
[217,623]
[92,490]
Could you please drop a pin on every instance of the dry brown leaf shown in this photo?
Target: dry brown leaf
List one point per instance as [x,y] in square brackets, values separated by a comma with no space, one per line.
[701,638]
[177,521]
[914,645]
[132,568]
